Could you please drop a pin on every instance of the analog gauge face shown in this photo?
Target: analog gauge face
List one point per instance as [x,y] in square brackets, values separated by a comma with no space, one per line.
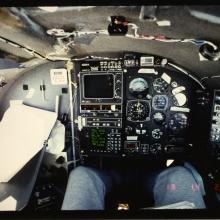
[157,133]
[160,102]
[178,122]
[159,117]
[138,110]
[155,148]
[138,86]
[160,85]
[179,99]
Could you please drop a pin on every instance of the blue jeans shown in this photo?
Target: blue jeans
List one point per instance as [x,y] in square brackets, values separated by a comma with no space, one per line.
[87,188]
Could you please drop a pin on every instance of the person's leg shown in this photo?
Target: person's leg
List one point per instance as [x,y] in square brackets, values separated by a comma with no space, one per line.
[177,184]
[86,189]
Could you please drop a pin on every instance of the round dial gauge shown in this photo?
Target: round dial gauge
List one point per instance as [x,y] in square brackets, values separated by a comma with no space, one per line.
[160,85]
[155,148]
[138,86]
[138,110]
[159,117]
[160,102]
[179,99]
[178,122]
[157,133]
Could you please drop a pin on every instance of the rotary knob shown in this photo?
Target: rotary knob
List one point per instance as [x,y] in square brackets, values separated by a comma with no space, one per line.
[118,89]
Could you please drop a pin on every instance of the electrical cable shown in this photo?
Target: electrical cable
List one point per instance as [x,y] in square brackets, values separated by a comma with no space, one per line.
[163,38]
[28,50]
[186,73]
[72,161]
[59,33]
[209,77]
[94,57]
[208,49]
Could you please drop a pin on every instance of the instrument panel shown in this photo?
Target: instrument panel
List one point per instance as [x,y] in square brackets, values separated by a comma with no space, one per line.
[137,105]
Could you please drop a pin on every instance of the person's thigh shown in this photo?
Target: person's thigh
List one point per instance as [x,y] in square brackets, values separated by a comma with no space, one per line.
[177,184]
[86,189]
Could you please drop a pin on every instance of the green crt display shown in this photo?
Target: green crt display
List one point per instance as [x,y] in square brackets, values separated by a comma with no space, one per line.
[98,138]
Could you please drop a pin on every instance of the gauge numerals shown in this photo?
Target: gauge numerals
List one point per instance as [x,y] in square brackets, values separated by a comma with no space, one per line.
[138,110]
[160,102]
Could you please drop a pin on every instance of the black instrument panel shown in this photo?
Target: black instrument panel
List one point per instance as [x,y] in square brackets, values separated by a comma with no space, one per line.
[135,106]
[157,120]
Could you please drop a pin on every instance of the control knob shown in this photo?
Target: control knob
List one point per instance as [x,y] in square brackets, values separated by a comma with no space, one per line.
[128,129]
[141,129]
[118,89]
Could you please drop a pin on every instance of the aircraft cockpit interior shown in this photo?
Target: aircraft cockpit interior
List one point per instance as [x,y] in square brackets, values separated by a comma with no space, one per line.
[109,108]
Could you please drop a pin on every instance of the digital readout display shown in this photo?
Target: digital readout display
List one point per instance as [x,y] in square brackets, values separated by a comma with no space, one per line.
[99,86]
[98,138]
